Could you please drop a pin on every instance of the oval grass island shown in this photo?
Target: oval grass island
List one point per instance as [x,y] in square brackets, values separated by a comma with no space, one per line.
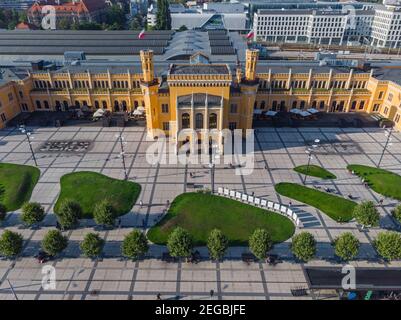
[16,184]
[88,188]
[337,208]
[382,181]
[199,213]
[315,171]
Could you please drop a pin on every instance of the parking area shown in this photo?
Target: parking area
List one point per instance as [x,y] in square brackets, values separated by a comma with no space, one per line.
[277,152]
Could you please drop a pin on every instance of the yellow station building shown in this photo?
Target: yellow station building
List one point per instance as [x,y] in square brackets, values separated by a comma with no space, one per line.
[202,95]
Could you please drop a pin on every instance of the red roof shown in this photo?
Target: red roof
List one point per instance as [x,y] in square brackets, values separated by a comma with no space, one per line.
[77,7]
[25,26]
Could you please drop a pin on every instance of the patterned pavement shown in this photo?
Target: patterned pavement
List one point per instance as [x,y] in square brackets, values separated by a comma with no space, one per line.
[277,151]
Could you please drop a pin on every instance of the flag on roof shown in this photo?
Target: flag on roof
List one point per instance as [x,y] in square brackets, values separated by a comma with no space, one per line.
[250,35]
[141,35]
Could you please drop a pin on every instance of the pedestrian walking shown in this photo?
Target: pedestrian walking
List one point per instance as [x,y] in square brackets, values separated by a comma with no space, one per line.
[140,203]
[158,296]
[290,204]
[211,293]
[381,201]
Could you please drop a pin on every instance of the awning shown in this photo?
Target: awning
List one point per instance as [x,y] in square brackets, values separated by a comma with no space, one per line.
[257,111]
[137,112]
[295,110]
[271,113]
[99,113]
[312,110]
[305,114]
[140,108]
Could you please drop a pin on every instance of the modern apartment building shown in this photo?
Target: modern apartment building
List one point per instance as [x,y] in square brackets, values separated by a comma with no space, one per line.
[378,25]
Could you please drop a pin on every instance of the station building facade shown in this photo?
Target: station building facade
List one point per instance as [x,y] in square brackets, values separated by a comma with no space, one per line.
[201,95]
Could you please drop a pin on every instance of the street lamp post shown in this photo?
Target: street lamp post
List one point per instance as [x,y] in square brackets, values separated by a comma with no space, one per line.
[309,151]
[122,154]
[388,134]
[29,138]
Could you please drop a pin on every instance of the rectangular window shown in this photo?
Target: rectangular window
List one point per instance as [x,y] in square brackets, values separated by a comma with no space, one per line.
[353,105]
[3,117]
[390,97]
[397,118]
[385,110]
[166,126]
[164,108]
[376,107]
[233,108]
[361,105]
[381,93]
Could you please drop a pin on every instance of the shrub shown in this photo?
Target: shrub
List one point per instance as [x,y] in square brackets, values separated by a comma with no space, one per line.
[179,243]
[217,244]
[346,246]
[54,242]
[32,212]
[260,243]
[366,214]
[104,213]
[303,246]
[92,245]
[69,213]
[397,213]
[388,245]
[10,243]
[134,245]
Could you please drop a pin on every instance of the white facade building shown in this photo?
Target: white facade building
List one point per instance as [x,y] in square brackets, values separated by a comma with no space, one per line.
[379,25]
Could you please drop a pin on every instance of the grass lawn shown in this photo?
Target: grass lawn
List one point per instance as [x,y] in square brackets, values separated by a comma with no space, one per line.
[382,181]
[199,213]
[315,171]
[88,188]
[16,184]
[335,207]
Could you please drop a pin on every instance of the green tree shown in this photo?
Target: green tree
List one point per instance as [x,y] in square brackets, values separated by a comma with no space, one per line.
[346,246]
[104,213]
[179,243]
[69,213]
[32,212]
[134,245]
[217,243]
[182,28]
[54,242]
[115,18]
[163,15]
[92,245]
[260,243]
[397,213]
[10,244]
[366,214]
[3,212]
[64,24]
[388,245]
[303,246]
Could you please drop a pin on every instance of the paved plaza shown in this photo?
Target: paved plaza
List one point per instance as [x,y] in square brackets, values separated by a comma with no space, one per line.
[277,152]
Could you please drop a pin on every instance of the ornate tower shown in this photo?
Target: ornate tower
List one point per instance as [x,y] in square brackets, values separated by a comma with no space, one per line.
[249,87]
[150,87]
[250,67]
[147,65]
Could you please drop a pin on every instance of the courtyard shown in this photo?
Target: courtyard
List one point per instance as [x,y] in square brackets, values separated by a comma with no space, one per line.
[277,152]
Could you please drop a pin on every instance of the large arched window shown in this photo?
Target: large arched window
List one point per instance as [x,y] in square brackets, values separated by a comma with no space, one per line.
[96,104]
[124,105]
[116,106]
[185,120]
[213,121]
[199,121]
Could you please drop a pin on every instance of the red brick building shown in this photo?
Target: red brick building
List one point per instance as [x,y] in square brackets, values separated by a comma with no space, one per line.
[73,11]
